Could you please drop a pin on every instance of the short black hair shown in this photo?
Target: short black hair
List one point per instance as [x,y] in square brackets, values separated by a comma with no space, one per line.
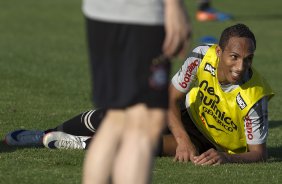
[237,30]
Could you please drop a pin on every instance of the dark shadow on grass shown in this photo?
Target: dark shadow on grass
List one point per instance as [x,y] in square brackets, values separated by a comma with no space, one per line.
[275,154]
[275,124]
[260,17]
[4,148]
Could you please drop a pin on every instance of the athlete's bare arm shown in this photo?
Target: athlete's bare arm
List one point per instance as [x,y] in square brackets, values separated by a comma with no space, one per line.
[185,149]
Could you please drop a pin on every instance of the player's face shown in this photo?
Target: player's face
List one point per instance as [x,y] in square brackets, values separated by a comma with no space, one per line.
[235,60]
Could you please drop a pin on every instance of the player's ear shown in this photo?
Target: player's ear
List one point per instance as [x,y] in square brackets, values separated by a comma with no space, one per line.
[218,51]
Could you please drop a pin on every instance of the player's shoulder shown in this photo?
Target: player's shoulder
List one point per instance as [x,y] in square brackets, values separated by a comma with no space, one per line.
[200,51]
[197,54]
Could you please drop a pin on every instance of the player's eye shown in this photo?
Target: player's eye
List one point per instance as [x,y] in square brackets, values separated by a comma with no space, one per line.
[233,57]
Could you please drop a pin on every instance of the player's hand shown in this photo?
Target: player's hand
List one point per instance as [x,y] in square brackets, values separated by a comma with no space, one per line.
[177,28]
[185,152]
[210,157]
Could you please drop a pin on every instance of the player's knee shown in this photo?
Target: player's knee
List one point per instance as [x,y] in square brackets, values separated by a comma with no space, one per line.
[157,122]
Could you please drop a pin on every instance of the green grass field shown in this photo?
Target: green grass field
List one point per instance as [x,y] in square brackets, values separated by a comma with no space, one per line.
[44,80]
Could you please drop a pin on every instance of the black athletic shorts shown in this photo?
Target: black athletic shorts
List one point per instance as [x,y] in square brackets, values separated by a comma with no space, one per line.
[198,139]
[201,143]
[122,62]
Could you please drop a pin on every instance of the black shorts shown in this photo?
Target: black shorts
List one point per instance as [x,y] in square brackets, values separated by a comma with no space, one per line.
[201,143]
[123,71]
[198,139]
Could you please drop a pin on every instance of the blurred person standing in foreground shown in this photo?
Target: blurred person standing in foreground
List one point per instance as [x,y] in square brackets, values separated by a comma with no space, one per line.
[130,45]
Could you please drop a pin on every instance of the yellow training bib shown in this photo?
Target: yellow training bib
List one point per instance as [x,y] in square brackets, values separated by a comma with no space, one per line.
[220,115]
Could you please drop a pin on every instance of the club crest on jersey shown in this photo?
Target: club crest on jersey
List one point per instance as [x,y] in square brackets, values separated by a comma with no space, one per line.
[210,68]
[240,101]
[158,79]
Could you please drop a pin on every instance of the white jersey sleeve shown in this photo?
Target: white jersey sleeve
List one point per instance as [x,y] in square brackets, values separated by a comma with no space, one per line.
[144,12]
[256,123]
[186,75]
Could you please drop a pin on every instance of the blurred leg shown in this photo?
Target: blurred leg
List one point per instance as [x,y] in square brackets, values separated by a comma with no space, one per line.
[142,130]
[100,156]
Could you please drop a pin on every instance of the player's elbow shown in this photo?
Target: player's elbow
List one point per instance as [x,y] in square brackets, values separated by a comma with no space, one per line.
[258,152]
[260,156]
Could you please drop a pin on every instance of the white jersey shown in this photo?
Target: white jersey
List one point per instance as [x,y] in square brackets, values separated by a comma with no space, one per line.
[144,12]
[256,121]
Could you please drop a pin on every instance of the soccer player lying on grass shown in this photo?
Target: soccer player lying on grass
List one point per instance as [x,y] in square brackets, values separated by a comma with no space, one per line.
[224,119]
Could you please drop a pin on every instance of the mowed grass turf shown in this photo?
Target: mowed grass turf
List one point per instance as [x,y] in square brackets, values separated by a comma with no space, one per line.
[44,80]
